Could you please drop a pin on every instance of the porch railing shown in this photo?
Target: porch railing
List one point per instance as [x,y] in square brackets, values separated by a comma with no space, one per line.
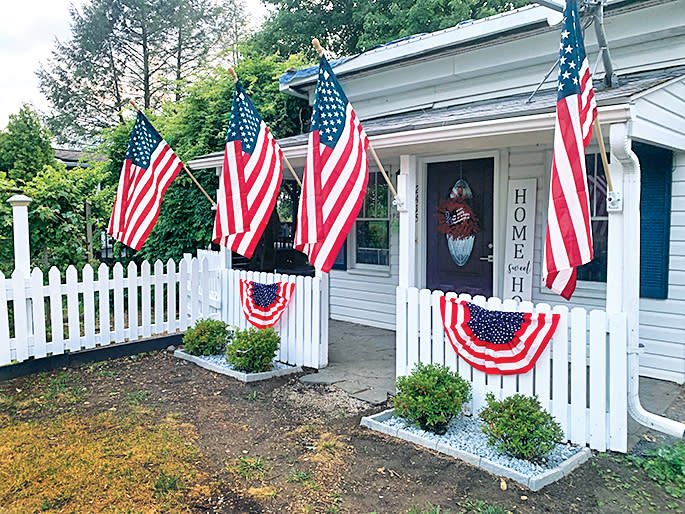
[581,378]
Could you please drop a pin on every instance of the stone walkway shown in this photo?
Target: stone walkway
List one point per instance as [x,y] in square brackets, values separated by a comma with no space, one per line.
[362,363]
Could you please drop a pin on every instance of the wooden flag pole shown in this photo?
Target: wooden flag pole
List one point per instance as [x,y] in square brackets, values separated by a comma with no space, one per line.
[285,159]
[135,106]
[319,50]
[602,150]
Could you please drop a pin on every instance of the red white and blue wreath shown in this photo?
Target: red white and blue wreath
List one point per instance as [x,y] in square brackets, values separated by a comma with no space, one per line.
[496,342]
[264,304]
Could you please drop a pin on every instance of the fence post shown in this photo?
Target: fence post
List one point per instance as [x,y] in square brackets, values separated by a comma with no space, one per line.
[20,221]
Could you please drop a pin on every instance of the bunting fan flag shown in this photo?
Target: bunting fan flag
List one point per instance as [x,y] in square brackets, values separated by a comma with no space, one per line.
[335,174]
[264,304]
[569,234]
[149,168]
[251,178]
[496,342]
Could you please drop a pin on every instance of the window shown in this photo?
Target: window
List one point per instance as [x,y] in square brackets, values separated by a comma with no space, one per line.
[596,269]
[372,228]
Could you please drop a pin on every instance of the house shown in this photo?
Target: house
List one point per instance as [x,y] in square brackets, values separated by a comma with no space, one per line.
[450,111]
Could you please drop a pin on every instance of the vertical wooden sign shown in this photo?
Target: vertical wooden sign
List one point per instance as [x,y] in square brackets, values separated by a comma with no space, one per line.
[520,234]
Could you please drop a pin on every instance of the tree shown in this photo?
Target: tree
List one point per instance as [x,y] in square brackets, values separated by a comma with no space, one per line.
[346,27]
[25,147]
[123,49]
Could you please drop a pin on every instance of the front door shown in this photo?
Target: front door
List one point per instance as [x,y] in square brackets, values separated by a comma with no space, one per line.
[459,226]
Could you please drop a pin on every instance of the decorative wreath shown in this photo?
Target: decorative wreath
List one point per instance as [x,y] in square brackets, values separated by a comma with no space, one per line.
[456,218]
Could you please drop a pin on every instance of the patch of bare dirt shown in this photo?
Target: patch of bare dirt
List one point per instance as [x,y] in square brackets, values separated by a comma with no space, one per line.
[281,446]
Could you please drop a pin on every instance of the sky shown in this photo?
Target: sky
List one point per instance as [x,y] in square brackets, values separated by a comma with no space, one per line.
[28,29]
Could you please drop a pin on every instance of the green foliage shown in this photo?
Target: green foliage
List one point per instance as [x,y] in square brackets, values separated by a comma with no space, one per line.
[428,509]
[520,427]
[346,27]
[252,350]
[666,465]
[431,396]
[207,337]
[25,147]
[249,467]
[480,507]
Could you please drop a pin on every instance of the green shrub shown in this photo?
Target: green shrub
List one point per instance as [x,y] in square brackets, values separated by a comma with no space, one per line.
[431,396]
[520,427]
[207,337]
[252,350]
[666,465]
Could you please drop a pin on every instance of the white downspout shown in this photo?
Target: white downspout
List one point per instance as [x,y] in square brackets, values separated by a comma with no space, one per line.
[621,150]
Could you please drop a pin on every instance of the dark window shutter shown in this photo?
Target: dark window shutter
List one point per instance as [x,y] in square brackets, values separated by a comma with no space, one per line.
[341,260]
[656,166]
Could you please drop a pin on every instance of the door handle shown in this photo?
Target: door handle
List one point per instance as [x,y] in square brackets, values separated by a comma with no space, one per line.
[489,258]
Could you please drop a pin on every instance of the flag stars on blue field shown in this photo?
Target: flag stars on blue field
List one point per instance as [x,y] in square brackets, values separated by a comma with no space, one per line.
[143,142]
[245,123]
[571,56]
[330,105]
[495,327]
[264,295]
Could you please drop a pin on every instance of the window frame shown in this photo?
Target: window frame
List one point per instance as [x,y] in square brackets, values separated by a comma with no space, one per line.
[352,264]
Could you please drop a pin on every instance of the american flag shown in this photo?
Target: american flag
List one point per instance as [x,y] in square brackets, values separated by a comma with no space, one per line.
[335,175]
[569,235]
[496,342]
[264,304]
[251,178]
[149,168]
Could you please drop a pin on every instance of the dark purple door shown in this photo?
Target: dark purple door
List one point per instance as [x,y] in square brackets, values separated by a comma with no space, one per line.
[459,226]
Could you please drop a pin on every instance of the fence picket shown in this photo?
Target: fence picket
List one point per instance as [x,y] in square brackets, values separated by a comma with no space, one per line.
[159,297]
[307,308]
[401,331]
[38,301]
[425,328]
[56,312]
[135,310]
[438,329]
[87,277]
[183,273]
[618,378]
[412,329]
[5,356]
[194,291]
[316,323]
[299,324]
[21,333]
[171,280]
[598,397]
[560,370]
[578,375]
[145,281]
[203,299]
[73,318]
[543,367]
[103,303]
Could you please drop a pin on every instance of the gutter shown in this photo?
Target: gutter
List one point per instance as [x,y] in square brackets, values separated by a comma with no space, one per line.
[621,148]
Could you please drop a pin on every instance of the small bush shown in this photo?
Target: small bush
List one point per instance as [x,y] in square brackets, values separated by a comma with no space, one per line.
[666,465]
[431,396]
[520,427]
[252,350]
[207,337]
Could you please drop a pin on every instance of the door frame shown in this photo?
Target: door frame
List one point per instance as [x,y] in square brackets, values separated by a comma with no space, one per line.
[500,173]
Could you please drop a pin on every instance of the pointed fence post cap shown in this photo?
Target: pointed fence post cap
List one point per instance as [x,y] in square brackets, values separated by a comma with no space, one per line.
[19,200]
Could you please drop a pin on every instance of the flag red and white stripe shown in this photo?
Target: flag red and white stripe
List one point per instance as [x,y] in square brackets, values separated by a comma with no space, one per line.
[250,181]
[569,233]
[519,338]
[148,169]
[264,304]
[335,175]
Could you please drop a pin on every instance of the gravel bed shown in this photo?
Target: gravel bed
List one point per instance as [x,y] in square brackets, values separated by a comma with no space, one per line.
[464,434]
[220,360]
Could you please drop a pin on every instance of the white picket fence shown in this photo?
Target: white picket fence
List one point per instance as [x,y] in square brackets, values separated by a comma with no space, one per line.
[125,304]
[581,378]
[38,319]
[303,326]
